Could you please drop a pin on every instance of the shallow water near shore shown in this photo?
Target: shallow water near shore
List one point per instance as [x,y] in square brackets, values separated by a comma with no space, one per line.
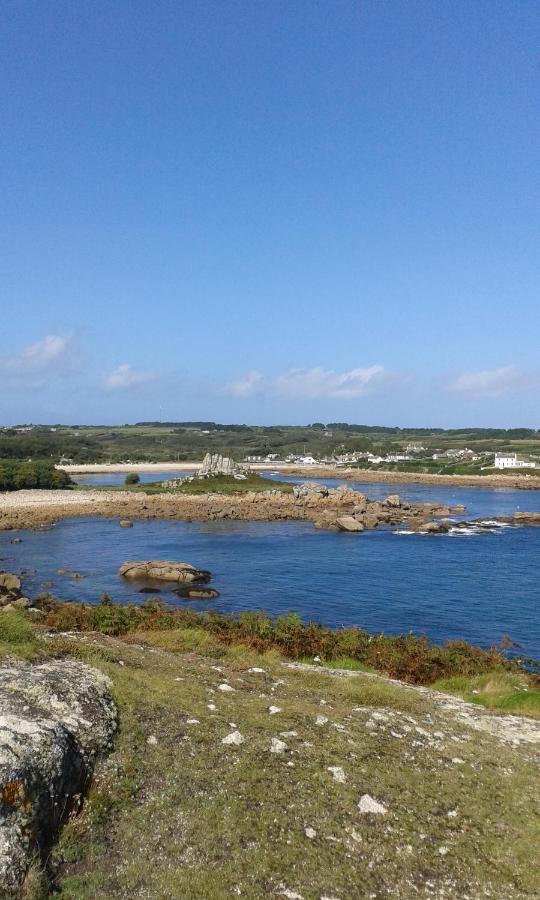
[477,587]
[117,479]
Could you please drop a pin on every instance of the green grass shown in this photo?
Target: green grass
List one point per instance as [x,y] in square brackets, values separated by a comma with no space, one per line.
[217,484]
[190,817]
[225,484]
[501,691]
[17,637]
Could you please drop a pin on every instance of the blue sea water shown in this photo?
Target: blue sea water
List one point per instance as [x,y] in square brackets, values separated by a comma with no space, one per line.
[478,587]
[116,479]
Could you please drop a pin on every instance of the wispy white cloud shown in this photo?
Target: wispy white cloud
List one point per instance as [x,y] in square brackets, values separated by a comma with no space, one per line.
[246,386]
[316,383]
[493,382]
[125,377]
[36,365]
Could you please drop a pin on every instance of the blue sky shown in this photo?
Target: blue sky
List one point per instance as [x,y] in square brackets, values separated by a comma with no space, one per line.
[270,212]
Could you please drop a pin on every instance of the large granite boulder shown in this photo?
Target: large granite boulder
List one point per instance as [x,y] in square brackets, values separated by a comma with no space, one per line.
[163,570]
[349,523]
[55,720]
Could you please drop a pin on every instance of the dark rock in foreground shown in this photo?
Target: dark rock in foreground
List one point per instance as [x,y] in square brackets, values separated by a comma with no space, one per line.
[55,720]
[196,593]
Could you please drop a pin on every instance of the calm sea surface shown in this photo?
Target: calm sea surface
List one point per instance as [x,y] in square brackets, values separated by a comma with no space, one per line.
[116,479]
[478,587]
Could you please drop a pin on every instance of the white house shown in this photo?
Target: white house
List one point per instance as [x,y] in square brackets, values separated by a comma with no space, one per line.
[506,460]
[510,461]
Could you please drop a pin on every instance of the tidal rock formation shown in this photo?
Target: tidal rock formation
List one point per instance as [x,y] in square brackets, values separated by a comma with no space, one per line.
[163,570]
[55,720]
[434,528]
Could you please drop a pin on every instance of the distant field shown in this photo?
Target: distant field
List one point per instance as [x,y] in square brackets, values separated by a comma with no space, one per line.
[181,442]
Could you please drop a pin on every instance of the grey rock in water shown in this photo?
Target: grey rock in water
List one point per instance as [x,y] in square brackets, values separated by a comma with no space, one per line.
[163,570]
[55,720]
[196,593]
[434,528]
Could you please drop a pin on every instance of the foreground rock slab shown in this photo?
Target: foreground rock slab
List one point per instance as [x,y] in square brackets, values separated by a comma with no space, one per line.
[56,719]
[163,570]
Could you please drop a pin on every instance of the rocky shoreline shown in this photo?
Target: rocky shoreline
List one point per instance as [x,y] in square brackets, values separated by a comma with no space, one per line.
[325,507]
[328,508]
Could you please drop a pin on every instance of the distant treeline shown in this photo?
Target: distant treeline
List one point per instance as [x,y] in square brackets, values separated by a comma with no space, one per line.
[480,433]
[203,426]
[17,475]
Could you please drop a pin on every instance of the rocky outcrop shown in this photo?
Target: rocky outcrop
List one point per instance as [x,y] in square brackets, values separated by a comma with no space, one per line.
[216,464]
[163,570]
[55,720]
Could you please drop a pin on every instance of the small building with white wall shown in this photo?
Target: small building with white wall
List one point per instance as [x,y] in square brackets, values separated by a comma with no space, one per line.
[510,461]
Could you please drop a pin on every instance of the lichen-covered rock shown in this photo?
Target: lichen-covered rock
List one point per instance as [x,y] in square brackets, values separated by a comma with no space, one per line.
[163,570]
[55,720]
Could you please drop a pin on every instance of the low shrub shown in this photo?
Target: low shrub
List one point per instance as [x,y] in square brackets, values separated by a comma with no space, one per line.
[408,657]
